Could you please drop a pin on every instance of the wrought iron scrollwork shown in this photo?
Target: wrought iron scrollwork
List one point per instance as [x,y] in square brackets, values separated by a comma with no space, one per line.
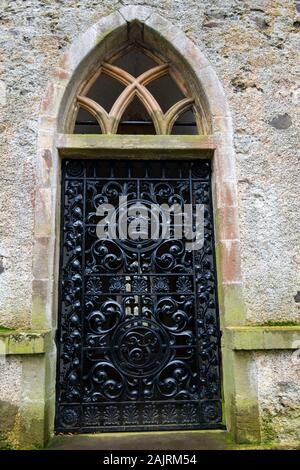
[138,343]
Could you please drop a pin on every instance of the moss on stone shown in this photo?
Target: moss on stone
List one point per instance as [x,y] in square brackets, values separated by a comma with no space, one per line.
[25,342]
[4,329]
[279,323]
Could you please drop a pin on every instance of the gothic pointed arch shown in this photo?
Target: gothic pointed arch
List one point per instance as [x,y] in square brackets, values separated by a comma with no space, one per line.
[167,49]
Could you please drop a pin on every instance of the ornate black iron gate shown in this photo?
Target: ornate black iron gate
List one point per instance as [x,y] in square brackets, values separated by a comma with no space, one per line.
[138,336]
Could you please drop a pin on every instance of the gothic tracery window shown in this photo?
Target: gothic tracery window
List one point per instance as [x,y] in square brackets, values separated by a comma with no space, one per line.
[136,92]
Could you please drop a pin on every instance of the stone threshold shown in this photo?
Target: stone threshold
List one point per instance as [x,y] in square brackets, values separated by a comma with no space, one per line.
[157,440]
[154,440]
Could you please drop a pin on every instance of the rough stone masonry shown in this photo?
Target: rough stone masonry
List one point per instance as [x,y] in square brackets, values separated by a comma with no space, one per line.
[253,46]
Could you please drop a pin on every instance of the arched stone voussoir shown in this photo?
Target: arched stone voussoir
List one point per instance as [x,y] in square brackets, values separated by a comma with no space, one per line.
[85,43]
[90,49]
[175,38]
[136,13]
[157,30]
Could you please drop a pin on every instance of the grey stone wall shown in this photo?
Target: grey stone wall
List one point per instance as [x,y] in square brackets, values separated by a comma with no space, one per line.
[278,378]
[10,400]
[253,48]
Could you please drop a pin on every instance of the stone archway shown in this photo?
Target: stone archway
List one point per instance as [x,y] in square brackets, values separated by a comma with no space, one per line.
[57,107]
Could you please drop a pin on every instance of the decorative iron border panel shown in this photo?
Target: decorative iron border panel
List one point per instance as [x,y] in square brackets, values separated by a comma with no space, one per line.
[138,336]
